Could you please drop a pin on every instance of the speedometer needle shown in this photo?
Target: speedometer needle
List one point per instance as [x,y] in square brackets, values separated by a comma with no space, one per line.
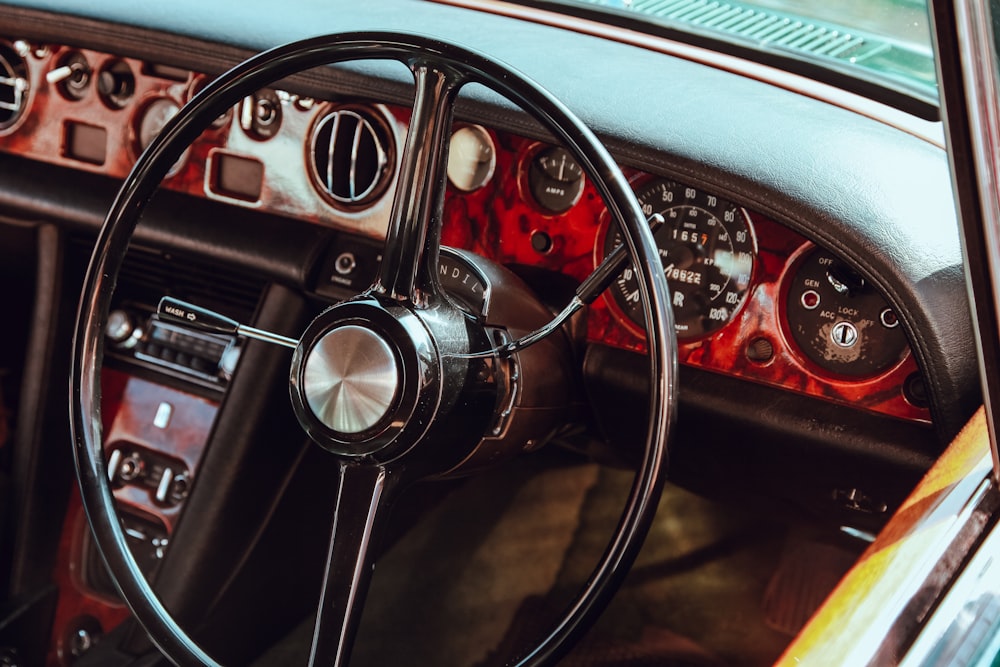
[668,268]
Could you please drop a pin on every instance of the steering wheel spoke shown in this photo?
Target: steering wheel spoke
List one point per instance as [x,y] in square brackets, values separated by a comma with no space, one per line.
[364,495]
[413,236]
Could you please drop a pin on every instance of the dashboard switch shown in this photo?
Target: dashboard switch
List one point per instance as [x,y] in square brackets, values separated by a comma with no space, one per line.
[260,115]
[345,263]
[760,351]
[114,461]
[121,329]
[163,488]
[131,468]
[72,77]
[116,84]
[178,489]
[163,414]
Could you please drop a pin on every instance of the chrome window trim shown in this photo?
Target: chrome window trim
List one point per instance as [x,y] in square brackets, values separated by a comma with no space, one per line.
[964,631]
[949,631]
[978,63]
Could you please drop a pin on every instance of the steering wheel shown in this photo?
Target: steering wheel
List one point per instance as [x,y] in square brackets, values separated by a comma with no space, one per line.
[422,355]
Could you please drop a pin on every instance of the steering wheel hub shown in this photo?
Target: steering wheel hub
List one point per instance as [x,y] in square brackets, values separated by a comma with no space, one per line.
[351,379]
[364,380]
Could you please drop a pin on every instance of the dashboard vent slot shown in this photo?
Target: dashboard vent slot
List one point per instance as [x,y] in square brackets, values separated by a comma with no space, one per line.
[764,27]
[351,153]
[146,276]
[13,86]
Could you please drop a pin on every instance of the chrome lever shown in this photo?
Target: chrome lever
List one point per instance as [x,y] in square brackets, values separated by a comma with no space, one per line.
[202,319]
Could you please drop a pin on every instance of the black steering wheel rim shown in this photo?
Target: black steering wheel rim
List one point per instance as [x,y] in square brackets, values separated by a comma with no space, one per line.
[152,167]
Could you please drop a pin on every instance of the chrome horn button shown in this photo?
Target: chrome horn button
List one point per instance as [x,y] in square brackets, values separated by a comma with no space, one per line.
[351,379]
[365,379]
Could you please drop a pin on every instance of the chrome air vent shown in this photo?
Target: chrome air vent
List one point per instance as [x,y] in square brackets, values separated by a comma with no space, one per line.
[351,155]
[13,86]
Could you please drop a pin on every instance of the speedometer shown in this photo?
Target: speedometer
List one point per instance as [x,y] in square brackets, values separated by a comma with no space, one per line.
[708,251]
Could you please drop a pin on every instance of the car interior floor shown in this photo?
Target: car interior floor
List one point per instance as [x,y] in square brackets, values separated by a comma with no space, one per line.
[714,584]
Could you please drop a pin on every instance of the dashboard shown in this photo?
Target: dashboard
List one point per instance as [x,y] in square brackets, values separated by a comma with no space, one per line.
[752,299]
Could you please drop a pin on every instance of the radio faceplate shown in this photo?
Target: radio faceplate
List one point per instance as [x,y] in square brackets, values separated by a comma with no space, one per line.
[136,335]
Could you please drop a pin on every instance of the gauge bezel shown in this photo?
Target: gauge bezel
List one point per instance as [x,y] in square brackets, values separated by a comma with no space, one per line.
[525,166]
[788,276]
[134,142]
[600,251]
[488,138]
[116,101]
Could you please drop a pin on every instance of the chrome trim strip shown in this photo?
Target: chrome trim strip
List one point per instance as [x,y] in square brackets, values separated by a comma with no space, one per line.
[359,130]
[979,70]
[897,638]
[965,628]
[334,132]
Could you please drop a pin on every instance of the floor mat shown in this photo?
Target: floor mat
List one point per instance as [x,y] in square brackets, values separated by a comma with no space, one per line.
[446,592]
[487,571]
[701,574]
[806,574]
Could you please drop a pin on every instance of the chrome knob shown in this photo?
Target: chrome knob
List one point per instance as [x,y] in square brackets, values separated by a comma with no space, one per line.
[120,327]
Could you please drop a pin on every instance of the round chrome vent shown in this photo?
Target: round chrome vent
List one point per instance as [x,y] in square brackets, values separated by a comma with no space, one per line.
[351,155]
[13,86]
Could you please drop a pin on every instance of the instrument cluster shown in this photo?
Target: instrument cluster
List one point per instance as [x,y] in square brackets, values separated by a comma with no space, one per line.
[751,298]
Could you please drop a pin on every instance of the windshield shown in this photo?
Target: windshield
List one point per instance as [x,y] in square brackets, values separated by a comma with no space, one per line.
[882,42]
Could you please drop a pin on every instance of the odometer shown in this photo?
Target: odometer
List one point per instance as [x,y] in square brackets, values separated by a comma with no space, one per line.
[708,250]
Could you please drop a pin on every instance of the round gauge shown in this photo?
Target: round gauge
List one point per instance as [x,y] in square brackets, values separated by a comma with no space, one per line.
[708,250]
[839,321]
[555,179]
[153,116]
[471,158]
